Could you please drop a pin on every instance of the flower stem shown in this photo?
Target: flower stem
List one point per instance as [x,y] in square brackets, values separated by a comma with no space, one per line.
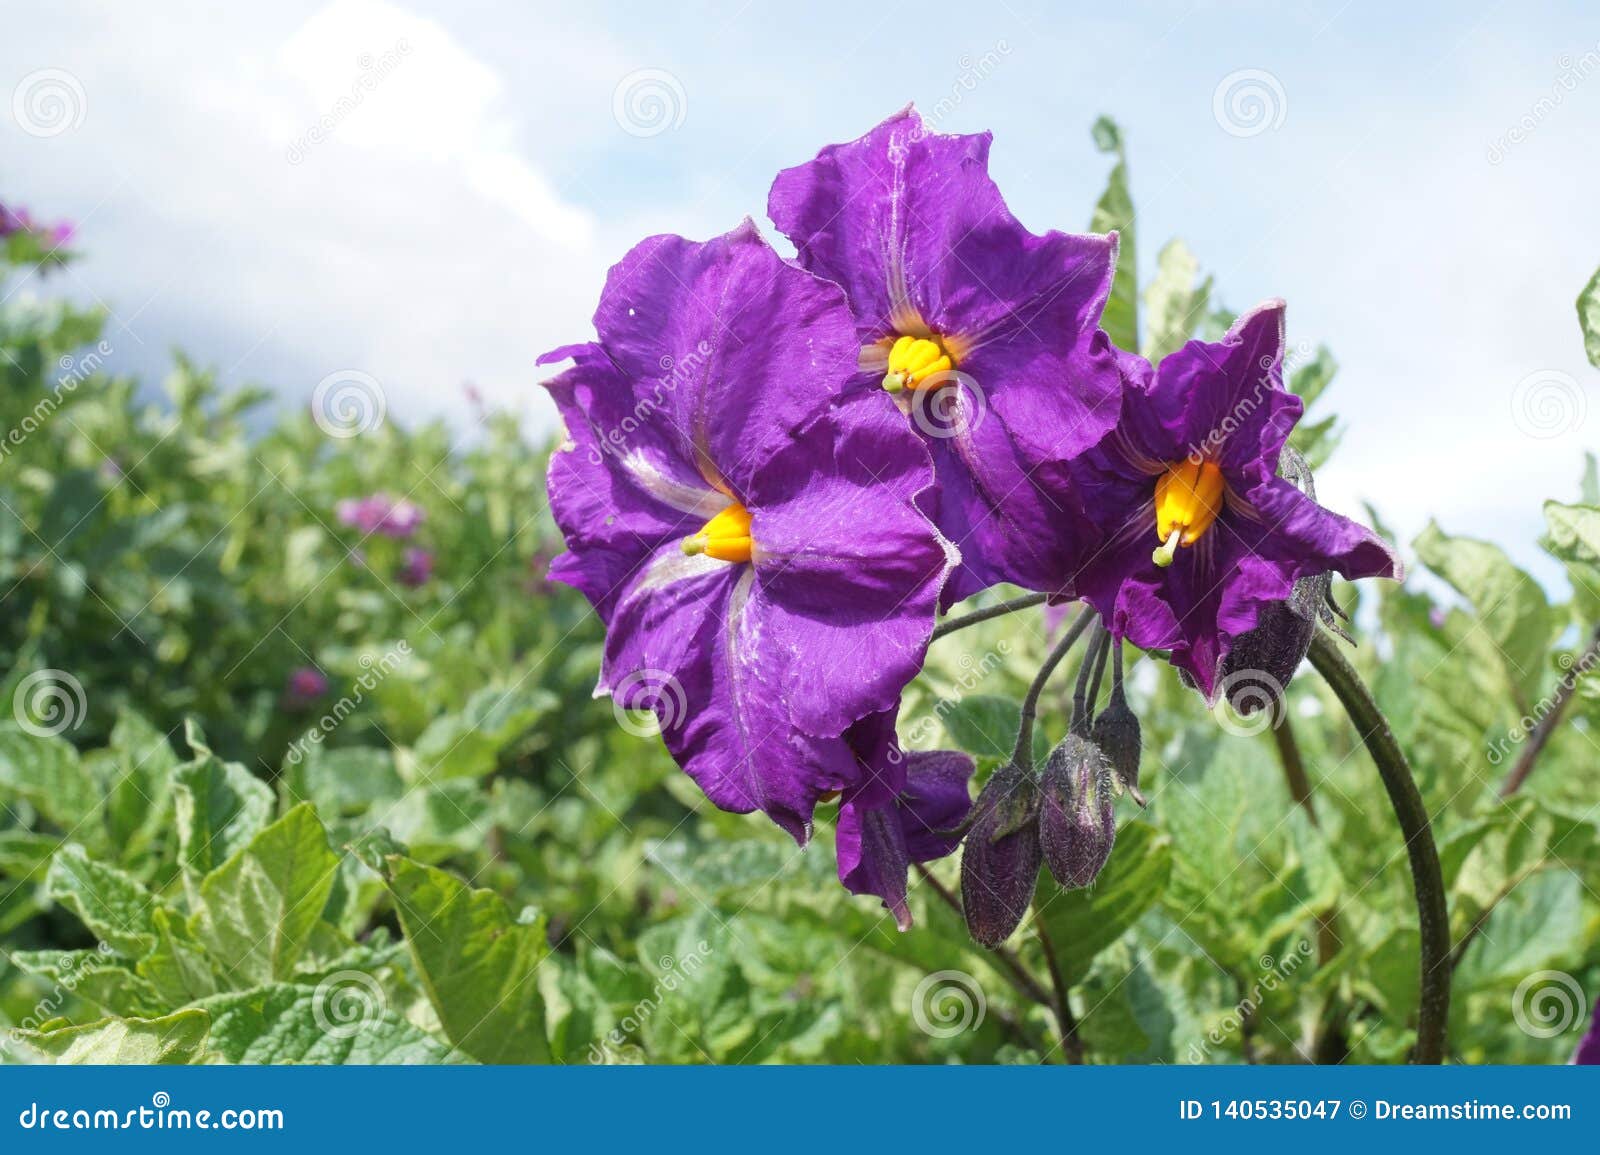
[1025,983]
[1552,717]
[1427,879]
[951,625]
[1030,704]
[1066,1022]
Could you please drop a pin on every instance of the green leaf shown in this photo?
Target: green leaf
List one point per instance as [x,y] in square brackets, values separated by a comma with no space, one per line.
[139,792]
[177,969]
[1114,212]
[1589,318]
[1175,301]
[1572,533]
[97,976]
[343,1021]
[469,743]
[25,856]
[177,1039]
[257,910]
[982,724]
[219,807]
[1511,607]
[345,782]
[47,773]
[1082,923]
[115,906]
[477,963]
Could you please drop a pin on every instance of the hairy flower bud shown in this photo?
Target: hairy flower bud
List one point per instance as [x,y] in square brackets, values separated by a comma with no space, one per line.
[1000,861]
[1257,669]
[1077,822]
[1116,732]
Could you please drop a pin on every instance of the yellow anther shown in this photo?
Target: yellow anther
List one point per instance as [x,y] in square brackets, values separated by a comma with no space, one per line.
[913,361]
[1188,500]
[725,537]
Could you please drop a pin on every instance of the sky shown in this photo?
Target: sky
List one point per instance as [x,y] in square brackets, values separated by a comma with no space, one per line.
[429,194]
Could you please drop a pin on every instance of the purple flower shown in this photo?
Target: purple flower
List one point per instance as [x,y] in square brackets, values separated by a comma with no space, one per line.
[417,567]
[755,552]
[380,513]
[306,684]
[985,333]
[904,812]
[1199,530]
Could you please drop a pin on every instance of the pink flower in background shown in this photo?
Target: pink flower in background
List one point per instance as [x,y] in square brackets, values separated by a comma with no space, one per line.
[417,567]
[20,220]
[306,684]
[380,513]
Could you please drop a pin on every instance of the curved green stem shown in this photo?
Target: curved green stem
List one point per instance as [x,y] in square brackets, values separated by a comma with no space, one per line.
[951,625]
[1427,879]
[1030,703]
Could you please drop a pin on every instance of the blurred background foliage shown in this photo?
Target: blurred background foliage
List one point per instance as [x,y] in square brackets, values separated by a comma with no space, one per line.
[474,861]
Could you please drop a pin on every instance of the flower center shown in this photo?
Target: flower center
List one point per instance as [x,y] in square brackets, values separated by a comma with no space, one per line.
[1188,499]
[725,537]
[913,360]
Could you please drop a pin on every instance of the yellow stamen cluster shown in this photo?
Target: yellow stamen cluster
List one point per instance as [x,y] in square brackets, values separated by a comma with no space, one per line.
[725,537]
[1188,500]
[913,361]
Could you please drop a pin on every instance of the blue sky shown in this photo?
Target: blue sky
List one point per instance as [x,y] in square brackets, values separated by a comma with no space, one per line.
[458,218]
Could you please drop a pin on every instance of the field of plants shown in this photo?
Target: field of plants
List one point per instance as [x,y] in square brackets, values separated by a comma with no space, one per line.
[301,761]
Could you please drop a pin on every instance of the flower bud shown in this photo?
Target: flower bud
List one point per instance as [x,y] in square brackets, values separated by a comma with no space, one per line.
[1258,667]
[1077,822]
[1116,732]
[1256,671]
[1000,861]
